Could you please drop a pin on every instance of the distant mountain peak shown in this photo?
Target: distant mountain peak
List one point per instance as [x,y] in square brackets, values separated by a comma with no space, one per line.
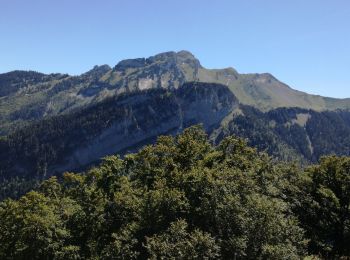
[38,95]
[188,57]
[183,54]
[97,71]
[99,68]
[171,57]
[186,53]
[130,63]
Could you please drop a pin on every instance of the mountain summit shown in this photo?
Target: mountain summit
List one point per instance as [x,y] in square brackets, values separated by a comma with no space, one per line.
[27,96]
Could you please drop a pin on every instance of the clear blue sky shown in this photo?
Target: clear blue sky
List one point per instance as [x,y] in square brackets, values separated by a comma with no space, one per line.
[304,43]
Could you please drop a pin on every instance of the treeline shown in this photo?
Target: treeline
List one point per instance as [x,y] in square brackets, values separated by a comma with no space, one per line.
[183,198]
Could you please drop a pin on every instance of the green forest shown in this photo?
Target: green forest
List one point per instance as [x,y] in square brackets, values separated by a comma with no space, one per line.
[184,198]
[43,148]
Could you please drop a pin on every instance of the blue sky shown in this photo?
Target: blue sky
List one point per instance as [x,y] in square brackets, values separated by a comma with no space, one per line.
[304,43]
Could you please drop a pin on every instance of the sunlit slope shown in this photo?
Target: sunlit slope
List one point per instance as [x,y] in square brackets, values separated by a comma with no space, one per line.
[27,95]
[266,92]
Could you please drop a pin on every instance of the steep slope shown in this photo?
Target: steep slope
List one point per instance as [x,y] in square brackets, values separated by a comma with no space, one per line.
[22,96]
[62,94]
[27,96]
[123,123]
[290,133]
[119,124]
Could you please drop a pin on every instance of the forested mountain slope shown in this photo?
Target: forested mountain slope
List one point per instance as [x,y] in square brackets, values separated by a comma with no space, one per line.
[118,124]
[291,133]
[128,121]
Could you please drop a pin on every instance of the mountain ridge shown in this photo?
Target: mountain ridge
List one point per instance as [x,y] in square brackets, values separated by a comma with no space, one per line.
[27,96]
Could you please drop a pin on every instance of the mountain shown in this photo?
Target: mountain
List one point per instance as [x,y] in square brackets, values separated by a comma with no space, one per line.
[55,123]
[290,133]
[126,122]
[195,191]
[118,124]
[27,96]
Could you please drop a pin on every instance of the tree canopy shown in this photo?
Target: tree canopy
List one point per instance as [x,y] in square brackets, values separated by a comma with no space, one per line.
[183,198]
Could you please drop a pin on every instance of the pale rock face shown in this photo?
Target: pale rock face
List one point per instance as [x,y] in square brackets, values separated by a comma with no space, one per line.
[302,119]
[146,83]
[145,117]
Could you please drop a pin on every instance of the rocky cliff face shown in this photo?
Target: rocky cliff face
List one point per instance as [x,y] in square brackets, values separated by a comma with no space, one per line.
[26,96]
[147,115]
[118,125]
[166,70]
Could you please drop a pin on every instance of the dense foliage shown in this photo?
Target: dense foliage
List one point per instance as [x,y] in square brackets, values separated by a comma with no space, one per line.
[183,198]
